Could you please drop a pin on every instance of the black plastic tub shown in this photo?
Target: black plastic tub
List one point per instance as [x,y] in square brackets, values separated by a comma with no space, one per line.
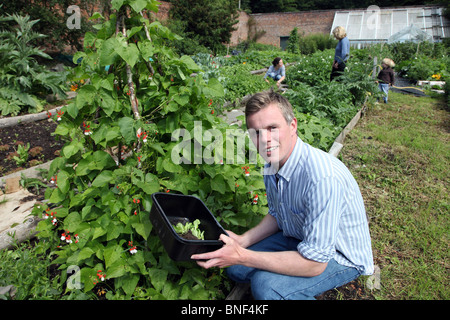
[169,209]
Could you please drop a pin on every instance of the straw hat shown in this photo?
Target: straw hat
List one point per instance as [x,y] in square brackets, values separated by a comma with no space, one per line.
[389,62]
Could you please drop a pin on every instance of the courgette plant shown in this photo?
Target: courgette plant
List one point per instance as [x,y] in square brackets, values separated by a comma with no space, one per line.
[134,92]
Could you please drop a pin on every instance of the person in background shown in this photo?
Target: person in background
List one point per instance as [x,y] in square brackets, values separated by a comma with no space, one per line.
[341,53]
[386,77]
[316,234]
[277,71]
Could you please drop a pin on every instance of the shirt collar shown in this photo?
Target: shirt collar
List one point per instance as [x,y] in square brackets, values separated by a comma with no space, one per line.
[289,166]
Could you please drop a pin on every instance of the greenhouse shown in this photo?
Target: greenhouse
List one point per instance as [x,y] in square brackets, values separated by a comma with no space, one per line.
[378,25]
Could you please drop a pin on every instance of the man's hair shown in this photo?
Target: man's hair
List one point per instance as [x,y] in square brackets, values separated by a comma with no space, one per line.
[263,99]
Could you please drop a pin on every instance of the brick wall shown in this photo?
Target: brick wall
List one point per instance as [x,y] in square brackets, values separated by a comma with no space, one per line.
[163,10]
[275,25]
[241,33]
[281,24]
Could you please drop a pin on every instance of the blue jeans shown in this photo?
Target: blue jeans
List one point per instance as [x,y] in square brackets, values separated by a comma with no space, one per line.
[384,87]
[274,76]
[273,286]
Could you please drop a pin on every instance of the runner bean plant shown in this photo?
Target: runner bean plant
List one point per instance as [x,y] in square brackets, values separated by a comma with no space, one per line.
[134,93]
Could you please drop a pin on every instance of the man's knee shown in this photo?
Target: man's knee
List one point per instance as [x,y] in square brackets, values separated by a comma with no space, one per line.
[262,288]
[266,286]
[238,273]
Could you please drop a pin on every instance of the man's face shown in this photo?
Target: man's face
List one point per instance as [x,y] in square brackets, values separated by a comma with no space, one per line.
[273,137]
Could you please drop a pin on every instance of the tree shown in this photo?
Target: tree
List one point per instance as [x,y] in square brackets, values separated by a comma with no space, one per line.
[293,43]
[211,22]
[53,17]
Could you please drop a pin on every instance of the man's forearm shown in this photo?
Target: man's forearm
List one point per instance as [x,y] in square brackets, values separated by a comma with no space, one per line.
[265,228]
[283,262]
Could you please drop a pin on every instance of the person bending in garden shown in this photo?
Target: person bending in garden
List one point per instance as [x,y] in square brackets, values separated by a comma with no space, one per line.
[342,52]
[386,77]
[277,71]
[315,236]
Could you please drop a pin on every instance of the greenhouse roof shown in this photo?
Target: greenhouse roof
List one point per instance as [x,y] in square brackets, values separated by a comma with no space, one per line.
[378,24]
[411,33]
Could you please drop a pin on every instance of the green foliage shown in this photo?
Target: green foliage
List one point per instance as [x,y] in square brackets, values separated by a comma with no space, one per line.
[22,152]
[318,132]
[23,82]
[118,153]
[26,268]
[325,107]
[403,51]
[311,69]
[189,44]
[316,42]
[447,89]
[53,19]
[239,82]
[259,59]
[293,42]
[192,227]
[423,67]
[210,22]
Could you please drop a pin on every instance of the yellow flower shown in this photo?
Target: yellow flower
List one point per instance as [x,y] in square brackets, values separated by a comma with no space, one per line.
[436,76]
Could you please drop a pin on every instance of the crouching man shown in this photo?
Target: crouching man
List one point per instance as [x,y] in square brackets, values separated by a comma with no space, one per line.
[316,236]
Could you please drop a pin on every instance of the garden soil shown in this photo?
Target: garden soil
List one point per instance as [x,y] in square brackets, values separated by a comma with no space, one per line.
[43,146]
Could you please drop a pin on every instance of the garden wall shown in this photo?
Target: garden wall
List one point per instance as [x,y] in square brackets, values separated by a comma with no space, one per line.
[275,25]
[278,25]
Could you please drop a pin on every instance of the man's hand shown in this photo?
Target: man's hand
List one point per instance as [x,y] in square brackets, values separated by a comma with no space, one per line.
[230,254]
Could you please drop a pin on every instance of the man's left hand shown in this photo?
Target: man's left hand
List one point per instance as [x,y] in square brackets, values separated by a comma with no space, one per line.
[229,254]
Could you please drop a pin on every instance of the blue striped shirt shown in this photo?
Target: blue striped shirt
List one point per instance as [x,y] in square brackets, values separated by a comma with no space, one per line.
[318,201]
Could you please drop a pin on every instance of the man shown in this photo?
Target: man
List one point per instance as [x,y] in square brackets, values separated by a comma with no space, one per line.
[316,234]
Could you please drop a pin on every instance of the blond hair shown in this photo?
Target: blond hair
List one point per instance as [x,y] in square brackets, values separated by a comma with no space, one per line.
[339,32]
[389,62]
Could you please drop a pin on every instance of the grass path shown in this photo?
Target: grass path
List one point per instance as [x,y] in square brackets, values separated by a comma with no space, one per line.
[400,155]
